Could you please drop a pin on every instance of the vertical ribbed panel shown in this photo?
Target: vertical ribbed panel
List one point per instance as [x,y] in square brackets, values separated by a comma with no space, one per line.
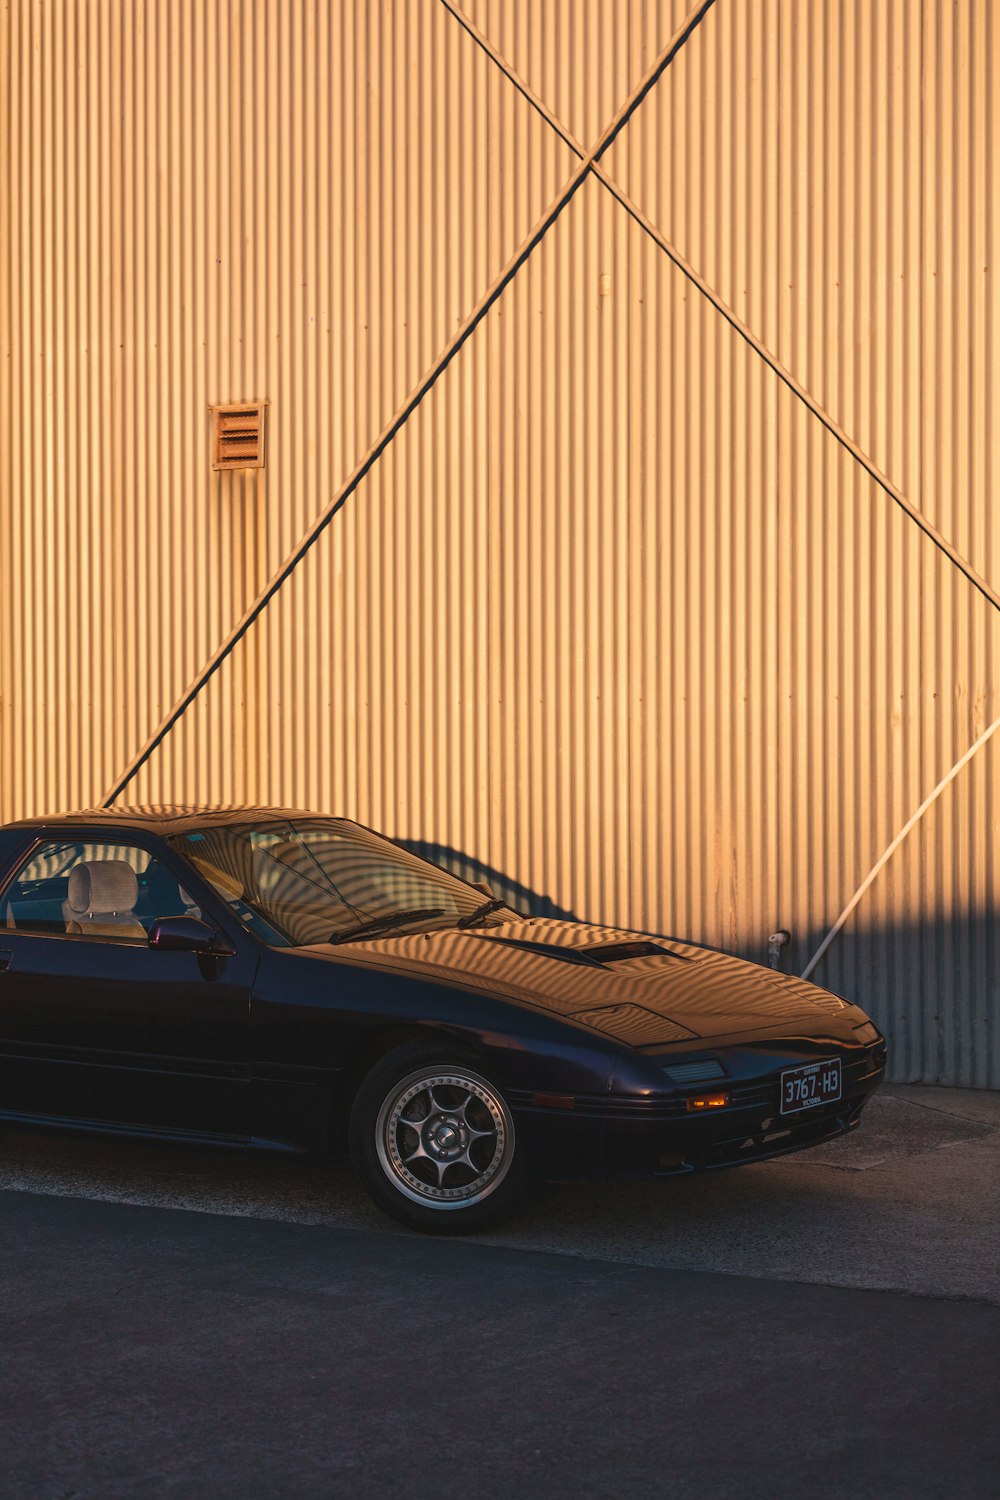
[210,203]
[829,169]
[612,653]
[614,618]
[581,58]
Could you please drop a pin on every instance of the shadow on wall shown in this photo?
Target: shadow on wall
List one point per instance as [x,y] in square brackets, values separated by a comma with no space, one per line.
[933,986]
[521,897]
[536,904]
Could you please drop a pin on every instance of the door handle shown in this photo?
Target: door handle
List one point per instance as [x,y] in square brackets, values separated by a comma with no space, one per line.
[5,957]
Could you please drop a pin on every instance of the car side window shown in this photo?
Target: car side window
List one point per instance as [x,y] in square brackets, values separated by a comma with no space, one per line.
[108,891]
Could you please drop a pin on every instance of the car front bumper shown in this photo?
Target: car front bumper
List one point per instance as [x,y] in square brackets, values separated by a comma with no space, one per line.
[637,1139]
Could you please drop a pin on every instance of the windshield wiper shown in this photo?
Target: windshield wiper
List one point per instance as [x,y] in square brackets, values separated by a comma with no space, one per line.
[475,917]
[387,920]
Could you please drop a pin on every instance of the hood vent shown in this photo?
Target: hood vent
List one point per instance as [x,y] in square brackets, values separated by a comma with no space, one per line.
[619,953]
[549,950]
[634,1023]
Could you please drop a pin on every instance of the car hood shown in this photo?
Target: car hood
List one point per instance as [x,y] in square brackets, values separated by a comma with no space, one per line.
[633,988]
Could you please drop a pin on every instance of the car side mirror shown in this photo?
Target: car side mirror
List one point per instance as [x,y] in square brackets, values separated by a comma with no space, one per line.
[189,935]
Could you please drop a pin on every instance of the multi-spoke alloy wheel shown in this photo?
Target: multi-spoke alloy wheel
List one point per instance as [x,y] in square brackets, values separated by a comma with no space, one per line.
[444,1137]
[435,1144]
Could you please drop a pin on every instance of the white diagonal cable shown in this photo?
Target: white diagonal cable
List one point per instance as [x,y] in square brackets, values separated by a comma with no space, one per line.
[911,822]
[819,412]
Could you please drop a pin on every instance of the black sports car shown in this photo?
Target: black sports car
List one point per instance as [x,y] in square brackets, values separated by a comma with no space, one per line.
[277,979]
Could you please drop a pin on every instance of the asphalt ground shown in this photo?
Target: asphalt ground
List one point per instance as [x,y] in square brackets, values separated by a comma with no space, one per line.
[910,1202]
[186,1323]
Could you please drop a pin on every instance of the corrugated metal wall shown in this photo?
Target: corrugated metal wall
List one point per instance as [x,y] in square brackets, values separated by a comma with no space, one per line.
[613,617]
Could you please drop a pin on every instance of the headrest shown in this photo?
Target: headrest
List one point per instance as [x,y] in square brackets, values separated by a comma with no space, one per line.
[104,885]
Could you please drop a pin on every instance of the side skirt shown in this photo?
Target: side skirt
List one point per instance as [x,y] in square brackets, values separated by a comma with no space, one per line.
[66,1126]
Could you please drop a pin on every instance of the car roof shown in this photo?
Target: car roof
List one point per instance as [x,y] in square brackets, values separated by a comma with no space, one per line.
[167,819]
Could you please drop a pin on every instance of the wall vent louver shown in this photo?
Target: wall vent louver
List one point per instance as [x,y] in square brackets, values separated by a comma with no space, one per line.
[238,435]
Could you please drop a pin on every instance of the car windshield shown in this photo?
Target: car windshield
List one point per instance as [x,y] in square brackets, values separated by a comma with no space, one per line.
[320,880]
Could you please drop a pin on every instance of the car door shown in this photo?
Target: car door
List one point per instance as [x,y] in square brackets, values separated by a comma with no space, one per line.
[96,1026]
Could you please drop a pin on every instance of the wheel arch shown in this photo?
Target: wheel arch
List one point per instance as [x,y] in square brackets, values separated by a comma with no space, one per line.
[378,1044]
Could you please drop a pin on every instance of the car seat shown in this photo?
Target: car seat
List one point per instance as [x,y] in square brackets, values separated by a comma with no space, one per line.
[101,900]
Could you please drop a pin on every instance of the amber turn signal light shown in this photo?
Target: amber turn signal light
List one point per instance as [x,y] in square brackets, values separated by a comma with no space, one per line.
[707,1101]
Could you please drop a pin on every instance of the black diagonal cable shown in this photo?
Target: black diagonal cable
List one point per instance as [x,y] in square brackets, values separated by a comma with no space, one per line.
[839,434]
[436,371]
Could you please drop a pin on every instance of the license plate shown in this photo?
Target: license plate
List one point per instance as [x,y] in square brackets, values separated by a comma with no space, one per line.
[805,1088]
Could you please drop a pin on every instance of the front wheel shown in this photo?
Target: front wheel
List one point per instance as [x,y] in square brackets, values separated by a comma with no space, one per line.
[433,1141]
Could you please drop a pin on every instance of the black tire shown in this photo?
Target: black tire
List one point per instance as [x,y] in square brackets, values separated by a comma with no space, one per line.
[433,1141]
